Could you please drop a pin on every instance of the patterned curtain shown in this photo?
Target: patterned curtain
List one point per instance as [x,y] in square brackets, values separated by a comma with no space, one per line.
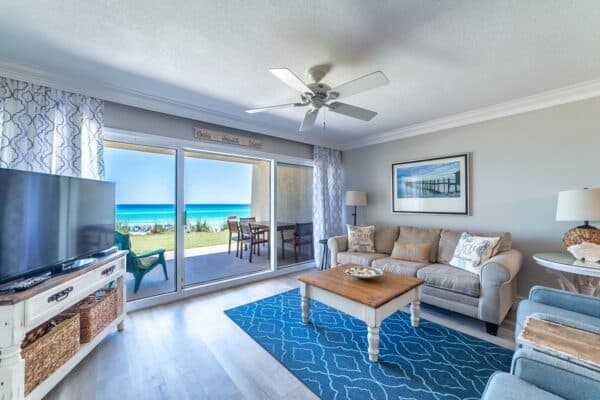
[49,130]
[327,196]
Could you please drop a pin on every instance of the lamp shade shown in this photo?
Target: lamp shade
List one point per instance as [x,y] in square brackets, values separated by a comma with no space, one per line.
[356,198]
[578,205]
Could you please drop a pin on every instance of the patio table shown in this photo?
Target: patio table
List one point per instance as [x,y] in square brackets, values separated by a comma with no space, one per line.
[281,226]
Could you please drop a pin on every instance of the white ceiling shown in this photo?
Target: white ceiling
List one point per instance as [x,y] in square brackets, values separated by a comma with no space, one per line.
[209,59]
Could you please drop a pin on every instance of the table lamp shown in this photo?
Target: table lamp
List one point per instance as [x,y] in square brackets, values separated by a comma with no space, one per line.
[579,205]
[356,199]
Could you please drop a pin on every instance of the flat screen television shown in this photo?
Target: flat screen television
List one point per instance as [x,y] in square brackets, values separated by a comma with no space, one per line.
[49,220]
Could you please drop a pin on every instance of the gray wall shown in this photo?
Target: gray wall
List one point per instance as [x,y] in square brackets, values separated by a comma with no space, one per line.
[119,116]
[519,164]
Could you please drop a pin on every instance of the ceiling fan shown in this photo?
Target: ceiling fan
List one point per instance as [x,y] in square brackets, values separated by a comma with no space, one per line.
[316,95]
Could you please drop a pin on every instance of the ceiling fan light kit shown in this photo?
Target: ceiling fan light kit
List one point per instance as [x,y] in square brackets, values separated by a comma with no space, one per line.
[316,95]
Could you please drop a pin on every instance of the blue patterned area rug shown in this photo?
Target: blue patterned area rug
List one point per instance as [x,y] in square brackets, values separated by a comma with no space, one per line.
[330,355]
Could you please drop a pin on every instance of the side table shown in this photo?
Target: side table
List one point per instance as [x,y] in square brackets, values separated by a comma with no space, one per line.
[586,275]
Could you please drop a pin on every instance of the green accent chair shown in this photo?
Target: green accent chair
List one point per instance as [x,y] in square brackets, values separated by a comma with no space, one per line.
[142,264]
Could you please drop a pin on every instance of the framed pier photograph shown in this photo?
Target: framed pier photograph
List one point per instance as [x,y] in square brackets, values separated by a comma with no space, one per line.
[431,186]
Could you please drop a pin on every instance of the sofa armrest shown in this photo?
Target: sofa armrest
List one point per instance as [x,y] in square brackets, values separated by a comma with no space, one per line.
[579,303]
[336,244]
[566,322]
[555,375]
[498,286]
[502,268]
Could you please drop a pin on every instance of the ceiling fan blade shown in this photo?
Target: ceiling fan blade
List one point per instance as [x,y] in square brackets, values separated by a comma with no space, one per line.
[278,107]
[352,111]
[359,85]
[309,120]
[290,79]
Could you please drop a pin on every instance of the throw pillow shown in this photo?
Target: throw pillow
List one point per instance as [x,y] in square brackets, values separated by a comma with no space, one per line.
[472,251]
[411,251]
[361,239]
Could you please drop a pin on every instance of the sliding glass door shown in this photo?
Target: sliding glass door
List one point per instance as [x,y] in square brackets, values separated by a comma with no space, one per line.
[294,214]
[227,216]
[192,218]
[145,215]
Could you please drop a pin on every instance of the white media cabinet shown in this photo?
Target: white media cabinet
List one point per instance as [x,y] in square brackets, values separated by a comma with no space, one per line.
[22,311]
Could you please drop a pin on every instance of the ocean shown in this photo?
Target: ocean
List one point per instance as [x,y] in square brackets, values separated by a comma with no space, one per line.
[164,214]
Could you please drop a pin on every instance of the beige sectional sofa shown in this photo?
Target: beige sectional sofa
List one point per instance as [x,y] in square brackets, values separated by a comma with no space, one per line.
[488,296]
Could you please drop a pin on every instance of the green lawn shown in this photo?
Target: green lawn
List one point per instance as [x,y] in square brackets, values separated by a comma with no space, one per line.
[144,243]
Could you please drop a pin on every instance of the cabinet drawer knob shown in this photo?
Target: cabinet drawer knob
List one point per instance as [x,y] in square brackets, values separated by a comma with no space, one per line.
[60,296]
[109,270]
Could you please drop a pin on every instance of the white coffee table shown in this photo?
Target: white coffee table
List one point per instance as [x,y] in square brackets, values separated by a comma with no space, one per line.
[370,301]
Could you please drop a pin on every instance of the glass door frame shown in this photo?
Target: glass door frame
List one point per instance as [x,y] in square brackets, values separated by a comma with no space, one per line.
[181,227]
[181,146]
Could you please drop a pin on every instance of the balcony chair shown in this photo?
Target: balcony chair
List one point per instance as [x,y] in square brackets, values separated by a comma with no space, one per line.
[142,264]
[252,238]
[234,235]
[303,235]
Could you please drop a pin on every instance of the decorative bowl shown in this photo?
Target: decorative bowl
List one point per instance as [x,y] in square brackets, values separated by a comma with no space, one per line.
[589,252]
[363,272]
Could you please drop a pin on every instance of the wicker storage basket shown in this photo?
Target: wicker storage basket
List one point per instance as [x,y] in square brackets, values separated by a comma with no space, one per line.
[48,347]
[96,312]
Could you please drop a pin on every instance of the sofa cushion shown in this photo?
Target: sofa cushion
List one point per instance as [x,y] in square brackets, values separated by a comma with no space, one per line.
[385,238]
[361,238]
[472,251]
[508,387]
[402,267]
[411,251]
[449,239]
[460,299]
[413,234]
[364,259]
[446,277]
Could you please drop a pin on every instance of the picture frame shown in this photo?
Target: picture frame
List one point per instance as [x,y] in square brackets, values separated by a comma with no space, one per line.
[438,185]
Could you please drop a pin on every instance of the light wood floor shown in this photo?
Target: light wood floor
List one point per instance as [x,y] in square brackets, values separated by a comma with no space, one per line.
[192,350]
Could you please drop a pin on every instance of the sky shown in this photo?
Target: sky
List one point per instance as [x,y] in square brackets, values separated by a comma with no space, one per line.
[434,170]
[149,178]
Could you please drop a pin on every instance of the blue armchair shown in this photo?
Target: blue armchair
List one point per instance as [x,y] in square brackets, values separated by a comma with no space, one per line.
[540,376]
[567,306]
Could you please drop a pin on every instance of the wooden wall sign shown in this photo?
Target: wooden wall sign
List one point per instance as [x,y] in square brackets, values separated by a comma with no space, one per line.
[226,138]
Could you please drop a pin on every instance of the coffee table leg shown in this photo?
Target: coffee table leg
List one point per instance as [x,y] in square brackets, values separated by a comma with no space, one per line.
[373,339]
[415,308]
[304,303]
[305,309]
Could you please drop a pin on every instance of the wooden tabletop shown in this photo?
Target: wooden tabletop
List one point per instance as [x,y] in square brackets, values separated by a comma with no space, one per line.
[16,297]
[373,292]
[564,340]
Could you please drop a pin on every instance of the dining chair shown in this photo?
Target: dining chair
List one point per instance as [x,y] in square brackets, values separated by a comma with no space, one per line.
[252,237]
[243,221]
[234,234]
[303,235]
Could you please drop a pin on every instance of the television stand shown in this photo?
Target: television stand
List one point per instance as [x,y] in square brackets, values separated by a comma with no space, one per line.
[25,310]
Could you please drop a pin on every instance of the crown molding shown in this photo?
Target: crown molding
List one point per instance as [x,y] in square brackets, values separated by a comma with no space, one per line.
[126,96]
[134,98]
[551,98]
